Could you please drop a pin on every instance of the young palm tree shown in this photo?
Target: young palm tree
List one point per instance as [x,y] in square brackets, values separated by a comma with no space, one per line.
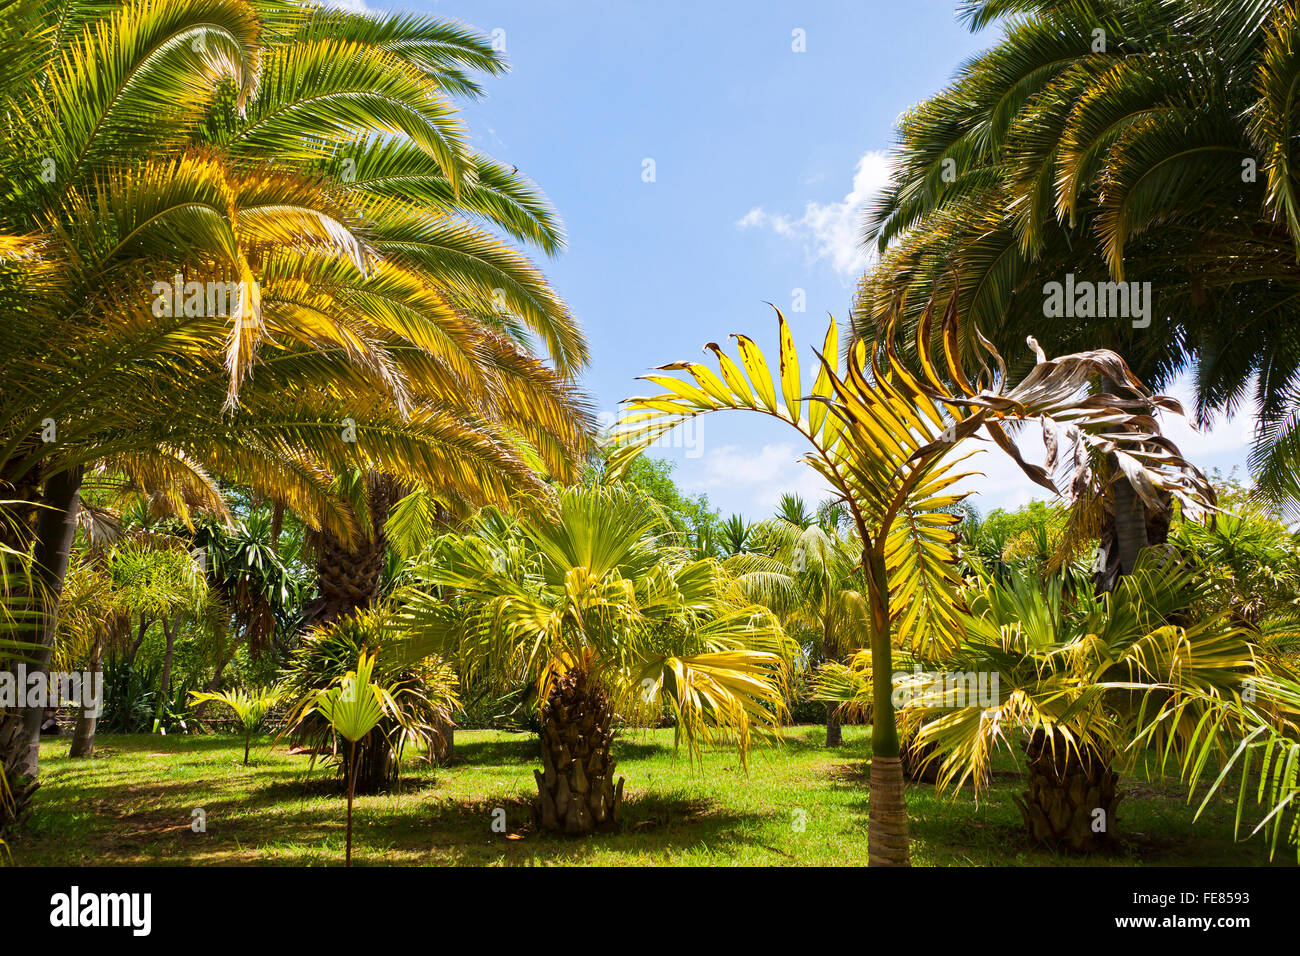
[249,706]
[422,693]
[583,600]
[882,437]
[353,706]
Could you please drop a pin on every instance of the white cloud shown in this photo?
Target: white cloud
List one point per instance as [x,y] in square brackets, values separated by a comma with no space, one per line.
[758,478]
[352,6]
[832,231]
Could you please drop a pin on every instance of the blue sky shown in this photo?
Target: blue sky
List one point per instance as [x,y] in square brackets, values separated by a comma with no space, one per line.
[763,157]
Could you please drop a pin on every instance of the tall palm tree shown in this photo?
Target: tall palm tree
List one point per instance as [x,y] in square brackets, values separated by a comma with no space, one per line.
[1136,141]
[296,154]
[882,437]
[583,600]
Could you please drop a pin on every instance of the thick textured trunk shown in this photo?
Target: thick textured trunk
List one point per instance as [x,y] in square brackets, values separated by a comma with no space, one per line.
[1071,801]
[834,735]
[887,841]
[83,732]
[444,751]
[576,792]
[20,729]
[376,763]
[348,575]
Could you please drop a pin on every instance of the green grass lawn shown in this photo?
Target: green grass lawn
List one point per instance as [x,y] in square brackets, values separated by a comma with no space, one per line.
[797,805]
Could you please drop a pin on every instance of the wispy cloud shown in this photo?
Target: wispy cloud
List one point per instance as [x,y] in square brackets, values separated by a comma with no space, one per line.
[759,478]
[832,231]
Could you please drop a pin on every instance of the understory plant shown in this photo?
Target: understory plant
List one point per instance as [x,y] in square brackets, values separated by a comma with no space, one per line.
[250,707]
[423,696]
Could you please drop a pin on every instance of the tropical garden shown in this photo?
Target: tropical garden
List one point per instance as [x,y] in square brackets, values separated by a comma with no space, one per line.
[300,480]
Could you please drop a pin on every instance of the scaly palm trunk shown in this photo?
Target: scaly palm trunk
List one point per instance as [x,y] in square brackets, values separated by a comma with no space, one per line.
[1072,796]
[20,729]
[576,792]
[887,840]
[348,575]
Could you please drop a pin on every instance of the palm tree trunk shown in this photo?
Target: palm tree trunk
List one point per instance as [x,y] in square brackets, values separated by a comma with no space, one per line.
[248,737]
[139,639]
[576,792]
[352,779]
[83,732]
[1072,796]
[20,729]
[834,735]
[1130,525]
[348,575]
[887,841]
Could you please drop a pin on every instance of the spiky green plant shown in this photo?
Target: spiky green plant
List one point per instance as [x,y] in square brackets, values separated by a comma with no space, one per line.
[353,706]
[249,706]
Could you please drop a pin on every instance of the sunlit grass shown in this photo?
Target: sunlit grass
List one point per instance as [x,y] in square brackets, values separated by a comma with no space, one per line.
[798,805]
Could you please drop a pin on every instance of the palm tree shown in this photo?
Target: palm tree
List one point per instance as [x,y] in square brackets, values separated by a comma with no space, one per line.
[1266,722]
[353,706]
[298,155]
[810,576]
[734,535]
[583,600]
[882,437]
[793,510]
[1078,680]
[423,696]
[249,707]
[1141,141]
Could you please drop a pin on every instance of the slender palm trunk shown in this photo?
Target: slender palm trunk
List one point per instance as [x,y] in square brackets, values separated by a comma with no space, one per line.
[352,779]
[83,732]
[20,729]
[834,736]
[248,738]
[576,792]
[165,681]
[887,840]
[139,639]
